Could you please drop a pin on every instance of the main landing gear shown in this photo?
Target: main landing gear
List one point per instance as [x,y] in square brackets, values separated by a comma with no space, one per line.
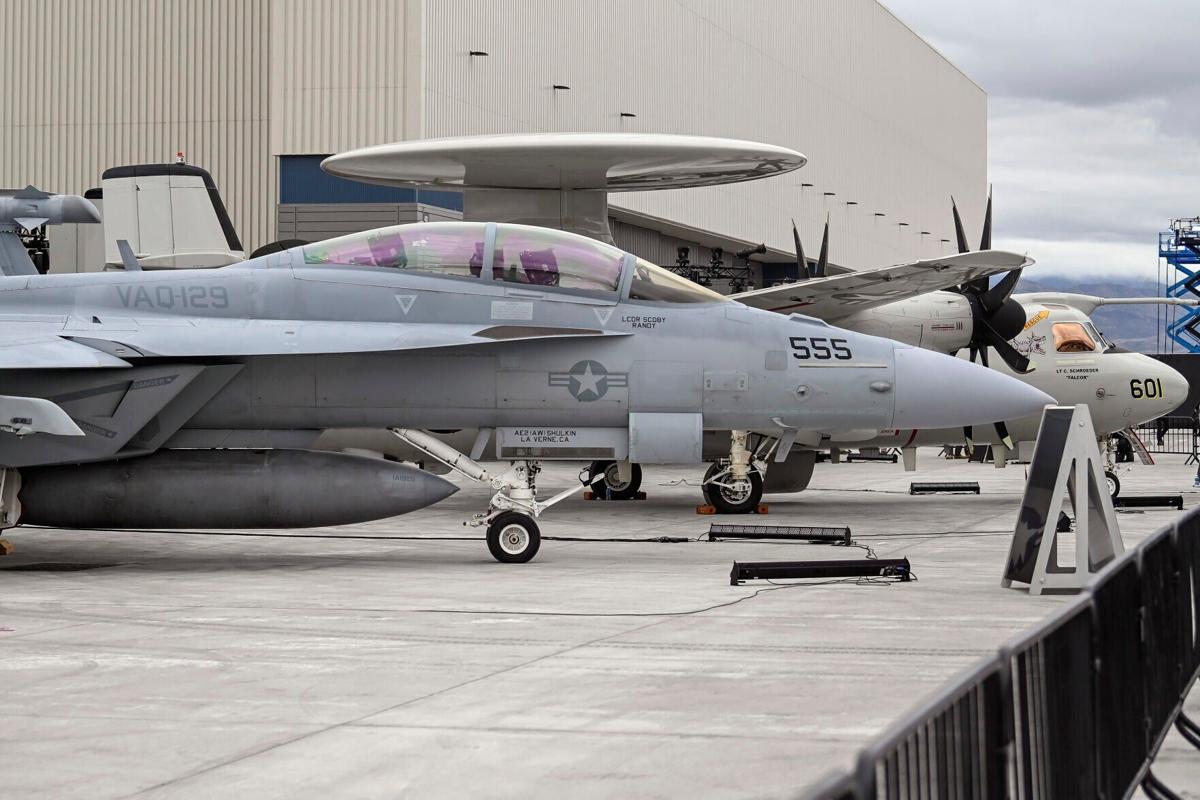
[611,484]
[735,485]
[513,536]
[1111,481]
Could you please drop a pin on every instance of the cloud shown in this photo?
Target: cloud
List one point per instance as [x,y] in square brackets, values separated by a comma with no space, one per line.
[1104,174]
[1094,121]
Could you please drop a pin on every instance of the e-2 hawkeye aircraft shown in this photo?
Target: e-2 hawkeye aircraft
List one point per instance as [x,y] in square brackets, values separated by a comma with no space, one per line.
[186,398]
[1045,339]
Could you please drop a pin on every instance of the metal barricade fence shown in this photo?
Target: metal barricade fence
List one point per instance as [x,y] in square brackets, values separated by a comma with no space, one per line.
[1077,707]
[1179,435]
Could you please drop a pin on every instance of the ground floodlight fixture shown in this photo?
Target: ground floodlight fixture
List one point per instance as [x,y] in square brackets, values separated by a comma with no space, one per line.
[880,214]
[561,87]
[903,224]
[945,241]
[851,202]
[806,185]
[924,233]
[628,114]
[830,194]
[474,53]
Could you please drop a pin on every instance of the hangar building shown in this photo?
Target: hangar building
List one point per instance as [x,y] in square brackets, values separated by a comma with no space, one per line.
[258,91]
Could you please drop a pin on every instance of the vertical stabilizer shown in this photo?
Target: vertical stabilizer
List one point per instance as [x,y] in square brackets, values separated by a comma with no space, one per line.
[171,215]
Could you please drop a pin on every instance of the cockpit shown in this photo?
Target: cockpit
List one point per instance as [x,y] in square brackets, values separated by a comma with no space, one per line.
[538,258]
[1079,337]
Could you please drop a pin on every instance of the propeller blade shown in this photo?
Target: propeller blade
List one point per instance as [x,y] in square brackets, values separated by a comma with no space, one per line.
[1006,351]
[1002,433]
[985,241]
[801,261]
[823,258]
[994,297]
[958,228]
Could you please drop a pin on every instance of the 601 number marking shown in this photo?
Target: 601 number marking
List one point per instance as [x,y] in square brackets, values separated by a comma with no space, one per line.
[820,348]
[1151,387]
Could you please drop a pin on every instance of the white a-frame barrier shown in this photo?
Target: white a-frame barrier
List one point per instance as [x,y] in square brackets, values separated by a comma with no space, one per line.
[1066,457]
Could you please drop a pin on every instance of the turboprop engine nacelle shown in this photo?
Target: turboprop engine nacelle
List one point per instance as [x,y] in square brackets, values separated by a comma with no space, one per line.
[226,489]
[939,321]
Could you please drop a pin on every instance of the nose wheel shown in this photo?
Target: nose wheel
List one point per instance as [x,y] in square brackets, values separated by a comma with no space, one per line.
[513,538]
[512,535]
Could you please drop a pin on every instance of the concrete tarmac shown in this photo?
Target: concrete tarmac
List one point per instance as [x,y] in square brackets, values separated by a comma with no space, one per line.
[396,658]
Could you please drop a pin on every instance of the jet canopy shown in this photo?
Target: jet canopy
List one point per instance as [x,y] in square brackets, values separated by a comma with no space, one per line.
[519,254]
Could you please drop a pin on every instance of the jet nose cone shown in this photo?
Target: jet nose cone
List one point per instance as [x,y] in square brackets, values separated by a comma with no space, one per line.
[934,390]
[1175,387]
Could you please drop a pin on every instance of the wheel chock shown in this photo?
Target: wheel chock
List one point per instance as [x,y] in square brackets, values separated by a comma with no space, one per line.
[595,496]
[761,508]
[6,547]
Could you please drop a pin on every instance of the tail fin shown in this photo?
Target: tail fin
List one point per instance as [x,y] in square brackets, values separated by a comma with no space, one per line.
[171,215]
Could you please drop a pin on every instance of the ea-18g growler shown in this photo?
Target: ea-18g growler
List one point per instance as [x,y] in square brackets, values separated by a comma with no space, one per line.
[189,397]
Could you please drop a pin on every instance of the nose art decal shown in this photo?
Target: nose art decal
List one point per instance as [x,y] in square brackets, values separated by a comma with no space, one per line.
[1031,344]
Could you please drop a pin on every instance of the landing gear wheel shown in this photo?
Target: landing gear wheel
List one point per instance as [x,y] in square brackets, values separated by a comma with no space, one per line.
[732,497]
[609,483]
[513,538]
[1114,483]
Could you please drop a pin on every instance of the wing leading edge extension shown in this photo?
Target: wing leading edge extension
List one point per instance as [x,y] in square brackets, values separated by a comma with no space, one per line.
[97,346]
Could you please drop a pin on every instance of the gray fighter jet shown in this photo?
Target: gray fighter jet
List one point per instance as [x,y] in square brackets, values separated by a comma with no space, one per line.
[130,398]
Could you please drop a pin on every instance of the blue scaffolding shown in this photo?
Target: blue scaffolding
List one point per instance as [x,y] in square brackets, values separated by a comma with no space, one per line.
[1180,246]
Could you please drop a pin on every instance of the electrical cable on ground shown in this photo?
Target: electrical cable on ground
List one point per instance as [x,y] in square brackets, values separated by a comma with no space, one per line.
[880,581]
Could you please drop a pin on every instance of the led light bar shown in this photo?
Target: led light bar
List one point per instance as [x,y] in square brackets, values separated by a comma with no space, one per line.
[945,487]
[806,533]
[1149,501]
[844,568]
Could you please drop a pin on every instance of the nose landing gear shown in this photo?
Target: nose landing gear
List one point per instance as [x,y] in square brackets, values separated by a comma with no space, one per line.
[513,537]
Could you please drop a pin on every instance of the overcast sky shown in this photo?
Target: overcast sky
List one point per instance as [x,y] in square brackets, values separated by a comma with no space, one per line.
[1094,120]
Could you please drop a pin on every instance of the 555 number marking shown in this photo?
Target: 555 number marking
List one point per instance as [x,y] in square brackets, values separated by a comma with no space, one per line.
[820,348]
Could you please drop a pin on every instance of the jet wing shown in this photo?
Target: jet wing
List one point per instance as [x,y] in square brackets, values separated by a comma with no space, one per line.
[839,296]
[250,337]
[49,351]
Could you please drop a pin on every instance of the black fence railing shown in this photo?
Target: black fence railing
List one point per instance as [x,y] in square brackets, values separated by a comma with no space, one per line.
[1178,435]
[1075,708]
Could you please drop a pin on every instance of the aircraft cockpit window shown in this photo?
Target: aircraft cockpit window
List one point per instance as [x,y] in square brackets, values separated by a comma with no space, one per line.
[1098,335]
[445,248]
[542,257]
[652,282]
[1072,337]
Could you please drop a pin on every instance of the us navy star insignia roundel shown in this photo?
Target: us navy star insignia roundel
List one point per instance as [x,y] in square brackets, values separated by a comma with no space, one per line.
[588,380]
